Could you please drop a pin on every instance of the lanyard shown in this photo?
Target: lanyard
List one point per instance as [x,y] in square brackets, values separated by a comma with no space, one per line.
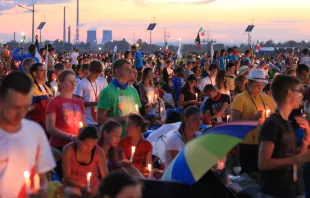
[254,101]
[93,87]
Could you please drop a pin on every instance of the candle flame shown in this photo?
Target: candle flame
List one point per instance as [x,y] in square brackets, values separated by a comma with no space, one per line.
[268,112]
[26,174]
[149,166]
[89,175]
[133,148]
[81,124]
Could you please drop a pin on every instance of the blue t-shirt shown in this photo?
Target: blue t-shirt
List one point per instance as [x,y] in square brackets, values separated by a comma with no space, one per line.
[177,87]
[222,63]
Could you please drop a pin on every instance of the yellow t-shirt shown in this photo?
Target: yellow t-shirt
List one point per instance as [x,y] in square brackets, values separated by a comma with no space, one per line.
[244,104]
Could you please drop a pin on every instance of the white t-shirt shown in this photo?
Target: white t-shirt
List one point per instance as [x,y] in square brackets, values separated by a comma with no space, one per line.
[102,81]
[89,93]
[54,87]
[73,57]
[175,143]
[207,81]
[26,150]
[305,60]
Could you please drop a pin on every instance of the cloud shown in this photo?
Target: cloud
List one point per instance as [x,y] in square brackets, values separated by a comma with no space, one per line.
[146,2]
[9,4]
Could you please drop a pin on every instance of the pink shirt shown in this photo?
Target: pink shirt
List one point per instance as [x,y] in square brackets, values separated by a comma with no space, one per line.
[69,113]
[79,171]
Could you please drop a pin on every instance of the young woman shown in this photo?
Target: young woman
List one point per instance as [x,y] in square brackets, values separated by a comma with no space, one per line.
[240,84]
[147,92]
[64,113]
[190,94]
[252,104]
[119,185]
[50,78]
[190,124]
[215,59]
[168,72]
[135,127]
[110,137]
[221,82]
[82,158]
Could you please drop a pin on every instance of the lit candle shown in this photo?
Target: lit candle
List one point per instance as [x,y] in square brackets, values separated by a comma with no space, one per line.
[27,182]
[268,113]
[55,88]
[133,150]
[160,110]
[88,180]
[228,93]
[196,96]
[81,124]
[228,118]
[149,167]
[137,108]
[155,96]
[36,181]
[150,97]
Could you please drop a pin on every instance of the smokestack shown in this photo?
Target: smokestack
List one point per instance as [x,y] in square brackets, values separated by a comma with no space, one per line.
[69,34]
[64,38]
[77,37]
[14,36]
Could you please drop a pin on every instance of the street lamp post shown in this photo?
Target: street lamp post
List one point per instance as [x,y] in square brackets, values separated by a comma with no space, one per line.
[32,10]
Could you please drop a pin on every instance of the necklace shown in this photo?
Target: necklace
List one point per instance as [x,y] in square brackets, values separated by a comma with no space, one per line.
[254,101]
[95,91]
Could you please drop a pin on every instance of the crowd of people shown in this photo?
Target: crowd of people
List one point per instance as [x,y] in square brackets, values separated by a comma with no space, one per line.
[74,124]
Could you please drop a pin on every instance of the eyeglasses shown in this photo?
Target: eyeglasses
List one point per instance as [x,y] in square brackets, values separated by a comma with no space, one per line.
[301,91]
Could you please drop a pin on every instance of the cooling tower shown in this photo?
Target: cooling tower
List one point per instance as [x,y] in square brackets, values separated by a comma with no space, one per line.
[91,37]
[106,36]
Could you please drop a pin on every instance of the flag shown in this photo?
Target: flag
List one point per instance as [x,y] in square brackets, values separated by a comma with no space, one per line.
[200,30]
[179,54]
[197,40]
[203,33]
[258,47]
[114,52]
[166,48]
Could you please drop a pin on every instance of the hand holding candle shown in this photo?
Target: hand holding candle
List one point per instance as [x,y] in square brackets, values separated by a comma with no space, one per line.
[150,97]
[149,167]
[133,150]
[267,113]
[81,124]
[88,180]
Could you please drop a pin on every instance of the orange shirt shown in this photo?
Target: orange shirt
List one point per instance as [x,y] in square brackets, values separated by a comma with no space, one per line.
[142,149]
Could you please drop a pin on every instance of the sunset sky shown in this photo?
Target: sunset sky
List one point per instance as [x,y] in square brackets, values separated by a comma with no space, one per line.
[226,20]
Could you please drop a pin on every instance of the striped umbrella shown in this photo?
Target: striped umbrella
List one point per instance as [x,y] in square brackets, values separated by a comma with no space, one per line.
[201,154]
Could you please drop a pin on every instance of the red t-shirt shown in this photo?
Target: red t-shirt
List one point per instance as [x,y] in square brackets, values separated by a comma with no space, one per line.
[142,149]
[69,113]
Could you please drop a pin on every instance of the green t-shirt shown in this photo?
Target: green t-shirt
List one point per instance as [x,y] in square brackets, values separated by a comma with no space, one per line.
[119,102]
